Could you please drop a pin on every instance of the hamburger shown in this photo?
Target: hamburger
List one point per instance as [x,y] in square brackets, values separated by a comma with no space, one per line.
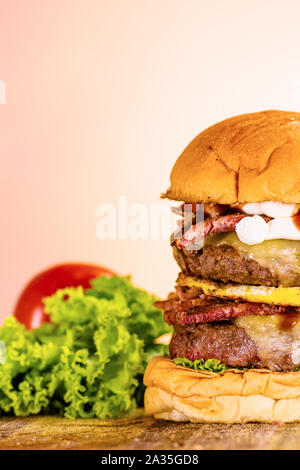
[234,355]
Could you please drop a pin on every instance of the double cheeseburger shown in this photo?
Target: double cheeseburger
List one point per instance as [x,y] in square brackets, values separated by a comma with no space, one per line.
[236,302]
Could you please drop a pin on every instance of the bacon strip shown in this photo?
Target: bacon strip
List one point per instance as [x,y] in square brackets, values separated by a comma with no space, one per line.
[206,309]
[210,209]
[194,236]
[212,225]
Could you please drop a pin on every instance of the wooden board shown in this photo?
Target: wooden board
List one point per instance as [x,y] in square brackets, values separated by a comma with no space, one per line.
[45,432]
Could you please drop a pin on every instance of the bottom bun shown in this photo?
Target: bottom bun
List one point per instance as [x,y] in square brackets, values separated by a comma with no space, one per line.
[178,393]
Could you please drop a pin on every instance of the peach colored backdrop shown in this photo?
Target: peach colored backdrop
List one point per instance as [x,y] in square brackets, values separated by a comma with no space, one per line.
[102,96]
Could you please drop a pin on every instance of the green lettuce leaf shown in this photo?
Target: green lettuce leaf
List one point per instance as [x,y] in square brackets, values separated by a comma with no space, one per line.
[211,365]
[89,361]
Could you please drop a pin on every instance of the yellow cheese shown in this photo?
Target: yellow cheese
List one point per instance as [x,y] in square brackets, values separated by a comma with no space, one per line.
[261,294]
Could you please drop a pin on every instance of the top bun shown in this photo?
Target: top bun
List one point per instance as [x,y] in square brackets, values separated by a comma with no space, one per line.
[248,158]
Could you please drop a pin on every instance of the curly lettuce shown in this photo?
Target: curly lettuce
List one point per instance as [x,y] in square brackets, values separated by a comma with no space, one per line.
[89,361]
[211,365]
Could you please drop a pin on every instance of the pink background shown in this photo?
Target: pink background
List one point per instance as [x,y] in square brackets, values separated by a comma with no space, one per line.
[102,96]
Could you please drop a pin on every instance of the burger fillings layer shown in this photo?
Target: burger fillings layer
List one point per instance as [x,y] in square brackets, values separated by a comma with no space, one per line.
[221,322]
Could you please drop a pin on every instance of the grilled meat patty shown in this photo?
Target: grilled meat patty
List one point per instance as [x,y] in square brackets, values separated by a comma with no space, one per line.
[237,346]
[224,263]
[220,340]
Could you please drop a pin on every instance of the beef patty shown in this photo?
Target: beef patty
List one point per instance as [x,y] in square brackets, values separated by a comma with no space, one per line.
[229,343]
[225,264]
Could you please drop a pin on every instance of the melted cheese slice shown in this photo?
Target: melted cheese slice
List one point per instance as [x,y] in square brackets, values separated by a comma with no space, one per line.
[261,294]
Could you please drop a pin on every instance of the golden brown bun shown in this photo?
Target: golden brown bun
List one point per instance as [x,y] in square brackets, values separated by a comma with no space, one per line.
[234,396]
[249,158]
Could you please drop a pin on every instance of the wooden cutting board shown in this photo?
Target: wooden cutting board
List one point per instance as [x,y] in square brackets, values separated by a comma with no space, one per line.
[48,432]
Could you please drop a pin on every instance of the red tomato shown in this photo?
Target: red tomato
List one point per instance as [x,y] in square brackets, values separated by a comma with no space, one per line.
[29,307]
